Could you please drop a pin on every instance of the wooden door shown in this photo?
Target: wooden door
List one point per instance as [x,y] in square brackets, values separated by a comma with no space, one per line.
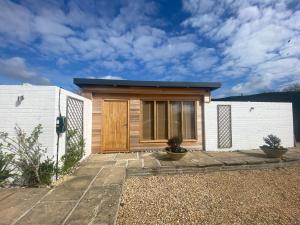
[115,126]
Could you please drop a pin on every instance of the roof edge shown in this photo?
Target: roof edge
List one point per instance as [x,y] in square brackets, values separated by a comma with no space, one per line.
[85,82]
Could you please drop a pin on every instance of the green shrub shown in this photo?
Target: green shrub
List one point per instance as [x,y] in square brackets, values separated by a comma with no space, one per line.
[273,142]
[6,170]
[46,171]
[74,152]
[28,153]
[174,145]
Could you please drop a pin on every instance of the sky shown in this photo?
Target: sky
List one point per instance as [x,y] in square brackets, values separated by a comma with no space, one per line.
[250,46]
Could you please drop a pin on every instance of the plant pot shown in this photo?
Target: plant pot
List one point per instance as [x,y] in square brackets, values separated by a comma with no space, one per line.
[273,153]
[175,156]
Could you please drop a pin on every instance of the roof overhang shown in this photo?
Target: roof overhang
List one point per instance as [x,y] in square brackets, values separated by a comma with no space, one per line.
[84,82]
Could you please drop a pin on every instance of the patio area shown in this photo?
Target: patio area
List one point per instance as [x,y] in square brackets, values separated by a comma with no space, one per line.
[92,194]
[152,163]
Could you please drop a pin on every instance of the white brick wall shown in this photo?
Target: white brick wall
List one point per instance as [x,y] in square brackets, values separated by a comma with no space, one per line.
[40,105]
[250,126]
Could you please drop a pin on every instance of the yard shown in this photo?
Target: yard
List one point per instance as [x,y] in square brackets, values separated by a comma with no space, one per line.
[236,197]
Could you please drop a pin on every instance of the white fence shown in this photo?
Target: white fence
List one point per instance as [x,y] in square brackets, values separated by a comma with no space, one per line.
[40,106]
[250,122]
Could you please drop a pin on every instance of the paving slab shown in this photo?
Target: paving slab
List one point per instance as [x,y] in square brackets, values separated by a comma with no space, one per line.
[167,163]
[122,156]
[228,158]
[207,162]
[292,155]
[150,163]
[98,164]
[99,206]
[47,213]
[149,154]
[6,192]
[76,183]
[121,163]
[184,162]
[161,159]
[86,171]
[102,157]
[256,156]
[109,176]
[64,194]
[17,202]
[135,163]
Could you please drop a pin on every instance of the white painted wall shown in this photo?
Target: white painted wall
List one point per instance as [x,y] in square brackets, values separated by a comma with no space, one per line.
[250,126]
[40,106]
[87,115]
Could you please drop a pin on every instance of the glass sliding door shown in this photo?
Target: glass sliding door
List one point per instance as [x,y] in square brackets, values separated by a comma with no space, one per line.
[188,120]
[161,120]
[148,120]
[175,118]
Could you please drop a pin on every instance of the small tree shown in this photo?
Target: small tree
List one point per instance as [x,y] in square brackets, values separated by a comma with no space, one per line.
[28,153]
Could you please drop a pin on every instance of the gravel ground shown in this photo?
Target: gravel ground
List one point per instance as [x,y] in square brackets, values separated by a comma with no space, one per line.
[237,197]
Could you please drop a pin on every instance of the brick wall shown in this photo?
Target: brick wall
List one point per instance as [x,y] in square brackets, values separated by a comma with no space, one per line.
[251,121]
[40,106]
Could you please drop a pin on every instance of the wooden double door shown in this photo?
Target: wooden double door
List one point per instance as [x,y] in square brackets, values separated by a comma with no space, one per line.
[115,126]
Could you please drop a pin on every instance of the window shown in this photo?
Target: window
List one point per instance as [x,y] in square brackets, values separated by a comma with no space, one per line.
[165,119]
[148,119]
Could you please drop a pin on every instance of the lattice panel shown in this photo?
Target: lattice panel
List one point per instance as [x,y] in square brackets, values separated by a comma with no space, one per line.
[224,126]
[75,118]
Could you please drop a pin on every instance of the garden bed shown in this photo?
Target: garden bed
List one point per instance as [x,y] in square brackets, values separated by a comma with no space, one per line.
[236,197]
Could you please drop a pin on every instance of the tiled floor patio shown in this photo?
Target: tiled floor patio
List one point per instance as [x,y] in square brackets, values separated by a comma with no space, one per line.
[145,163]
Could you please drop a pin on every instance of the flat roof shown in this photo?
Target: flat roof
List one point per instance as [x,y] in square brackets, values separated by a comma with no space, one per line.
[85,82]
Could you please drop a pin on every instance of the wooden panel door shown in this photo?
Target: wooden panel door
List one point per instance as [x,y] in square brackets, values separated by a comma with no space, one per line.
[115,126]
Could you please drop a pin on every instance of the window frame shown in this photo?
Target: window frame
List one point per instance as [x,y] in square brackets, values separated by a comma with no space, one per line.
[168,114]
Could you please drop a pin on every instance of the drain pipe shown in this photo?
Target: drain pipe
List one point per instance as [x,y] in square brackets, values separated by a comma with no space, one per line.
[58,135]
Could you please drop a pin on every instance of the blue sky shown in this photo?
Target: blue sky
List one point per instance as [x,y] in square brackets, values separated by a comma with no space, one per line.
[249,45]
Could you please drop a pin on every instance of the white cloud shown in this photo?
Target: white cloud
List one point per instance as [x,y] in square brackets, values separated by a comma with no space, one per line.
[61,62]
[248,13]
[16,68]
[254,41]
[203,59]
[15,22]
[107,77]
[46,26]
[259,40]
[111,77]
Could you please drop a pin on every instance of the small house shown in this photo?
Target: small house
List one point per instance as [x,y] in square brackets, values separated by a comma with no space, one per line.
[130,116]
[142,115]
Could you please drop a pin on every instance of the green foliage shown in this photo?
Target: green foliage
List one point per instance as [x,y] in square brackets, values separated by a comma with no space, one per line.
[6,170]
[28,153]
[174,145]
[273,142]
[46,171]
[74,152]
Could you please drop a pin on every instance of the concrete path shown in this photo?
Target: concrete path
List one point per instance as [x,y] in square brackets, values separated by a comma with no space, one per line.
[92,194]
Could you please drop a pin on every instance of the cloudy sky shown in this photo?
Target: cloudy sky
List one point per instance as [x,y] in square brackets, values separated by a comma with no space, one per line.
[248,45]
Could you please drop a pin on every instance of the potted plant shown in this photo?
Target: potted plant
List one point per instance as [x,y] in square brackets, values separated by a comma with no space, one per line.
[174,150]
[273,148]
